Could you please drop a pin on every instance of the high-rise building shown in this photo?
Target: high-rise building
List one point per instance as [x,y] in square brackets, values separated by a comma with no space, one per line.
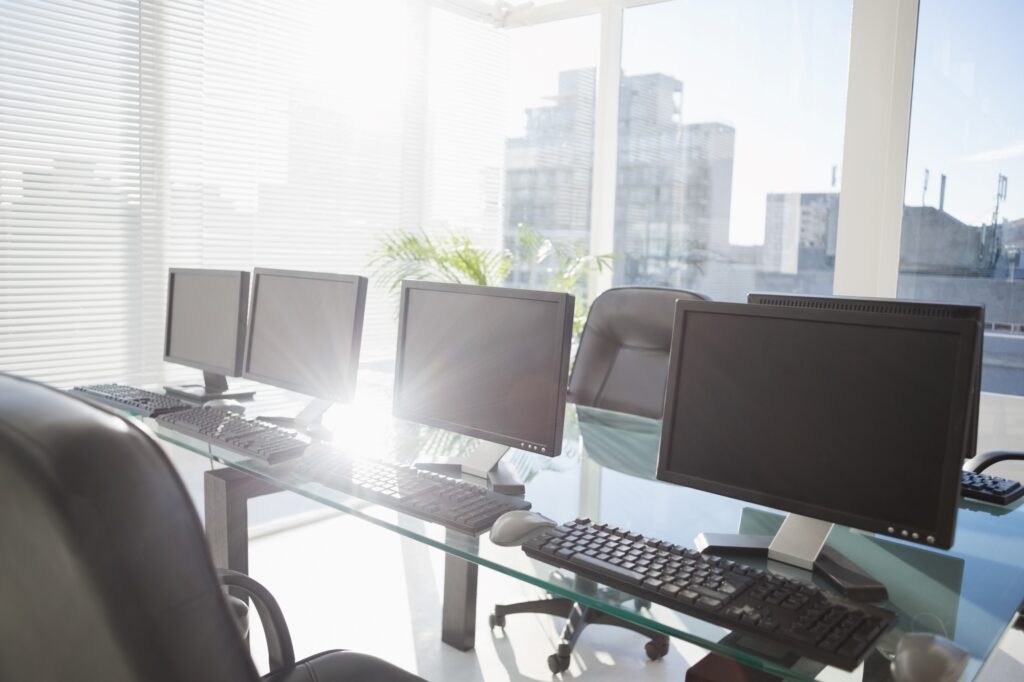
[710,148]
[651,187]
[548,169]
[674,181]
[800,231]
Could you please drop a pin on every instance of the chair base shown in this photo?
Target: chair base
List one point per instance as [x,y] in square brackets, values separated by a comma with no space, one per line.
[578,618]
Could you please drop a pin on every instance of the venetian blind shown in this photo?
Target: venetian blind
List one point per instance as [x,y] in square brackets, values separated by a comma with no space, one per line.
[224,134]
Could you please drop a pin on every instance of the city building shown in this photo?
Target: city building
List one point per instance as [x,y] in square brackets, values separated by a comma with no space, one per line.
[548,169]
[674,182]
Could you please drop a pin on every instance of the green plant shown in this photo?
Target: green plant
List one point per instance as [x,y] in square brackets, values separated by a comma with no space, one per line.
[535,262]
[558,266]
[453,258]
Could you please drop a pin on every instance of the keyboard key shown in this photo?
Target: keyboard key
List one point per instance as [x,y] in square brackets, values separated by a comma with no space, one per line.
[619,572]
[670,589]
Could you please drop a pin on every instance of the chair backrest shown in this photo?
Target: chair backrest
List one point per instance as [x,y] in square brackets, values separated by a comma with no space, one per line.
[104,569]
[622,360]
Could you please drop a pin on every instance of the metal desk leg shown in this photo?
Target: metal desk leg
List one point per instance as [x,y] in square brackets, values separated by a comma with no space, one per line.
[458,608]
[226,493]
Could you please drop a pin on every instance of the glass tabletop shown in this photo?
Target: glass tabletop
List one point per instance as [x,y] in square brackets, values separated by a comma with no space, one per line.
[606,472]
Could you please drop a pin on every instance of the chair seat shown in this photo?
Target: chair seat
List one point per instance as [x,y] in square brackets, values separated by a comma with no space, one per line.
[342,666]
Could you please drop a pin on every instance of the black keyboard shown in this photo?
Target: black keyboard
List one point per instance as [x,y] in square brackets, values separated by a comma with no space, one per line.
[798,615]
[989,488]
[249,437]
[430,496]
[145,403]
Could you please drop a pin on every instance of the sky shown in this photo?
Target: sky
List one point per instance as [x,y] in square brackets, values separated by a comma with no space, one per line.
[967,118]
[776,70]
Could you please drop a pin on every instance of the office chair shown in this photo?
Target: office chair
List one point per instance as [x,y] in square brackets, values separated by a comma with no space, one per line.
[104,570]
[622,360]
[621,365]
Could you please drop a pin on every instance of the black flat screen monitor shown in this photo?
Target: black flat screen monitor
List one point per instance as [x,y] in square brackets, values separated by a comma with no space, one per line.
[851,418]
[892,306]
[305,330]
[486,362]
[206,311]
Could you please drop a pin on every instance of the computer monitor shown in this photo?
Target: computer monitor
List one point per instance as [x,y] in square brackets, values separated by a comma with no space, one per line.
[305,330]
[206,311]
[835,416]
[892,306]
[487,362]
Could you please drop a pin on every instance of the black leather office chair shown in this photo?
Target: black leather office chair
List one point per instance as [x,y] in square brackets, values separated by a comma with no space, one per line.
[622,365]
[622,360]
[104,570]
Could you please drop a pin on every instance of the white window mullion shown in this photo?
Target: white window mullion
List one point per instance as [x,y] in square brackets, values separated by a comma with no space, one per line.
[606,144]
[882,44]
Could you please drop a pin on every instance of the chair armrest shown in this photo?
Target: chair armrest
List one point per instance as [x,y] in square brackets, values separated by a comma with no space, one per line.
[240,609]
[280,652]
[987,459]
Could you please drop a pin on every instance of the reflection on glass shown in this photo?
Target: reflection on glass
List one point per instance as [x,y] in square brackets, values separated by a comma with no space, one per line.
[963,225]
[731,119]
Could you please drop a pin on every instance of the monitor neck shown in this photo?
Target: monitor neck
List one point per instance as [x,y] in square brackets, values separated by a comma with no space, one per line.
[312,414]
[800,541]
[214,387]
[214,382]
[484,465]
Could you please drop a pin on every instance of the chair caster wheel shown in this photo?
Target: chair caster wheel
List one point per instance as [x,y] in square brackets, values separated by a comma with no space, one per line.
[497,621]
[558,664]
[656,649]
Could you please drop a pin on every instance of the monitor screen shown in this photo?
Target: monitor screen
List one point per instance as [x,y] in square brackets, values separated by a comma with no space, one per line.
[206,312]
[901,307]
[486,362]
[854,418]
[305,330]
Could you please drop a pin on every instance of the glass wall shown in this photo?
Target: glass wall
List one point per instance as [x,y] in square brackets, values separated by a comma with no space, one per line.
[549,153]
[731,119]
[963,223]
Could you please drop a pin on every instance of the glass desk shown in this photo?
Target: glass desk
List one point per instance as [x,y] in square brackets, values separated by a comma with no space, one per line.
[969,594]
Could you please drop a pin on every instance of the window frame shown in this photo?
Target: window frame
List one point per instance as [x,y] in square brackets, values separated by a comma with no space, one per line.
[883,42]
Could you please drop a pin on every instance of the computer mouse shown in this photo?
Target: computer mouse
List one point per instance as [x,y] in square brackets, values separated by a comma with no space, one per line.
[516,527]
[925,657]
[229,405]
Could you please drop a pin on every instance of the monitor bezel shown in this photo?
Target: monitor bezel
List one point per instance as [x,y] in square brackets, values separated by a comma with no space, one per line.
[242,279]
[348,390]
[566,304]
[951,459]
[964,311]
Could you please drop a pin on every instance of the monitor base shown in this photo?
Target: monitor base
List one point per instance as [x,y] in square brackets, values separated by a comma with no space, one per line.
[309,421]
[214,387]
[483,467]
[846,576]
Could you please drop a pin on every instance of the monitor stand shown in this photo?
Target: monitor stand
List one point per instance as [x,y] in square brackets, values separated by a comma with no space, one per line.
[484,467]
[800,541]
[308,421]
[214,387]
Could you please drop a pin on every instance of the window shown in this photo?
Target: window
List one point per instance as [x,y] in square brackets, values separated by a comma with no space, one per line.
[145,134]
[731,118]
[69,190]
[549,146]
[963,223]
